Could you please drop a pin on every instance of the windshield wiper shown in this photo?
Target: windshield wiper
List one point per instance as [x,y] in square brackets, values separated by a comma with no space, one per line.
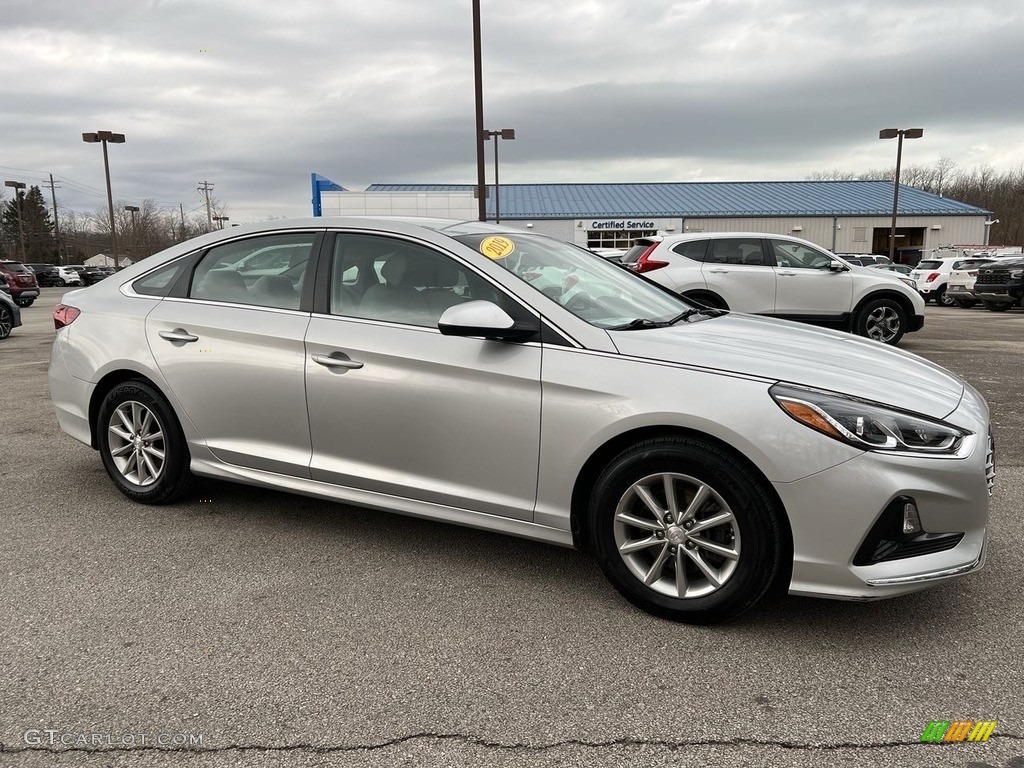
[637,324]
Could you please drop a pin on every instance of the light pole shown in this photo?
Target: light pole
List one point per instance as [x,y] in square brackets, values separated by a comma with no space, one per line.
[133,209]
[988,227]
[901,133]
[478,78]
[17,186]
[220,221]
[504,133]
[102,137]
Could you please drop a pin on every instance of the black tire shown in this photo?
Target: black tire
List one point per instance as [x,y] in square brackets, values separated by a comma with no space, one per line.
[966,303]
[174,478]
[882,319]
[6,322]
[996,306]
[60,282]
[942,299]
[24,302]
[753,532]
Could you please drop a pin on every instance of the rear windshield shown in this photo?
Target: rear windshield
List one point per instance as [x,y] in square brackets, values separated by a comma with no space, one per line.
[633,254]
[929,265]
[14,266]
[971,263]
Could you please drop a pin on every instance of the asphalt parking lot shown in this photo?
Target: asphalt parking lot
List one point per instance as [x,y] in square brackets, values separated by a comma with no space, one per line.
[252,628]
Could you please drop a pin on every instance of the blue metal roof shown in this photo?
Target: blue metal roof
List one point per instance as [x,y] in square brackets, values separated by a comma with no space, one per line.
[706,199]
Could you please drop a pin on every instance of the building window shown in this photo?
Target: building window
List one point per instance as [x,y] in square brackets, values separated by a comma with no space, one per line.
[860,234]
[616,238]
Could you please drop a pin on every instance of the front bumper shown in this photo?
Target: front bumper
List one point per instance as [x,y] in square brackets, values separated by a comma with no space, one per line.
[1001,294]
[832,512]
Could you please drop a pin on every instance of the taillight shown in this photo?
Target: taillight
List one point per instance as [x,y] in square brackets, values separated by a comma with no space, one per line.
[932,276]
[64,315]
[645,263]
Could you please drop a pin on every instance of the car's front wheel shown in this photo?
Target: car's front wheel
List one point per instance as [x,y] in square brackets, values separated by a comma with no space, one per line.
[24,302]
[142,445]
[684,530]
[883,320]
[6,322]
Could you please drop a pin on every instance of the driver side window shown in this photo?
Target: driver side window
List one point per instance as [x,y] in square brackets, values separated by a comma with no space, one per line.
[797,256]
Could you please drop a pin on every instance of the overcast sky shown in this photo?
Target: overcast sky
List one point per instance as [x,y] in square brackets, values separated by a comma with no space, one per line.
[253,95]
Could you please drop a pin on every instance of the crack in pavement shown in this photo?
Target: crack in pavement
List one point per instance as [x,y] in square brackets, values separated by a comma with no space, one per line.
[490,744]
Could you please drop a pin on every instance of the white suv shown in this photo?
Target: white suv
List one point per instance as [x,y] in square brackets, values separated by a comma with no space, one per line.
[780,276]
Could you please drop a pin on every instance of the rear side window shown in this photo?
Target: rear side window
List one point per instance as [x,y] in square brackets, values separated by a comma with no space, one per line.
[266,271]
[159,281]
[740,250]
[694,249]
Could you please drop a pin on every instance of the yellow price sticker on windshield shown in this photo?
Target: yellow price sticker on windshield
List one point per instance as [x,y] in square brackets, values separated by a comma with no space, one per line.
[497,247]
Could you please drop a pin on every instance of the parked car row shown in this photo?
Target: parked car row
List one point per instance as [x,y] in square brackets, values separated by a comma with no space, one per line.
[20,286]
[954,281]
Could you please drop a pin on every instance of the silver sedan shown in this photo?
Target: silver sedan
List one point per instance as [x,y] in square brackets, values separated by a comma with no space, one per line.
[505,380]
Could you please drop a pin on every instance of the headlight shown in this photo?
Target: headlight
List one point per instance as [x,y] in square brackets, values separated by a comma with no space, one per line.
[868,426]
[908,281]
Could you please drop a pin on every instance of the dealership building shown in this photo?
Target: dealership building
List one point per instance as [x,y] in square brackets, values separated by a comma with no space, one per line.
[843,216]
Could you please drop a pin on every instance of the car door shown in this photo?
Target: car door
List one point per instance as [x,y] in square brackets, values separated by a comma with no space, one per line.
[397,408]
[233,355]
[806,286]
[736,269]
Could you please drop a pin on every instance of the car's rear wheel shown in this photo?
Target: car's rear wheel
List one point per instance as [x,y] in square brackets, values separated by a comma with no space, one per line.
[704,299]
[142,445]
[60,282]
[943,299]
[684,530]
[6,322]
[24,302]
[966,303]
[881,319]
[996,306]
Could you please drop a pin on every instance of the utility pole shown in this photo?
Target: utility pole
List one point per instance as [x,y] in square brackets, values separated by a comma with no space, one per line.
[181,208]
[206,188]
[56,221]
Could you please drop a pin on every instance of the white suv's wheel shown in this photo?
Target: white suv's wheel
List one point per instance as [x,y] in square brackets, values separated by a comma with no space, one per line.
[881,319]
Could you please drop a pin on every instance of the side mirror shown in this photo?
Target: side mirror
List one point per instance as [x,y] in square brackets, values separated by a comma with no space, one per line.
[838,266]
[484,318]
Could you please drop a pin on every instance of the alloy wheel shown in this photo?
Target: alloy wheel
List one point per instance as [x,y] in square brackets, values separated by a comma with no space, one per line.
[6,322]
[136,443]
[883,324]
[677,535]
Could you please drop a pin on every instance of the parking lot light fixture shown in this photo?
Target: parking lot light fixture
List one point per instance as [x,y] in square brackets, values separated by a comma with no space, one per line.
[508,134]
[897,133]
[17,186]
[105,137]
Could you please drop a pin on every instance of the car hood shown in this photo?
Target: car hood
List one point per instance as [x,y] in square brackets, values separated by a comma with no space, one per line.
[780,350]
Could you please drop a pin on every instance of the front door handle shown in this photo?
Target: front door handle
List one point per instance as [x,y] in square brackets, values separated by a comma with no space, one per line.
[719,271]
[786,272]
[178,334]
[329,361]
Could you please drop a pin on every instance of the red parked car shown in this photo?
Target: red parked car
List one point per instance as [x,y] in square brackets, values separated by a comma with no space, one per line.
[22,282]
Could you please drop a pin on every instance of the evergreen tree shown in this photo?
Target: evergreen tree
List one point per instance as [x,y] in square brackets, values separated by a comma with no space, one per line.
[36,226]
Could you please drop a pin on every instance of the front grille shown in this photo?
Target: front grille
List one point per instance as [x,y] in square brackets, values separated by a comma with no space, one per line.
[990,464]
[993,278]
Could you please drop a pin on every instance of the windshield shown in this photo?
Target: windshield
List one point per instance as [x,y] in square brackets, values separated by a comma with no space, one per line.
[595,290]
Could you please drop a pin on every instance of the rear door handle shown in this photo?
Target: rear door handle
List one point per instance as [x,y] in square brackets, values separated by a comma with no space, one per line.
[178,334]
[329,361]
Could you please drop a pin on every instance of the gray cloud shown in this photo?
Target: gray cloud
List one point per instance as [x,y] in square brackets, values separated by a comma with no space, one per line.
[255,95]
